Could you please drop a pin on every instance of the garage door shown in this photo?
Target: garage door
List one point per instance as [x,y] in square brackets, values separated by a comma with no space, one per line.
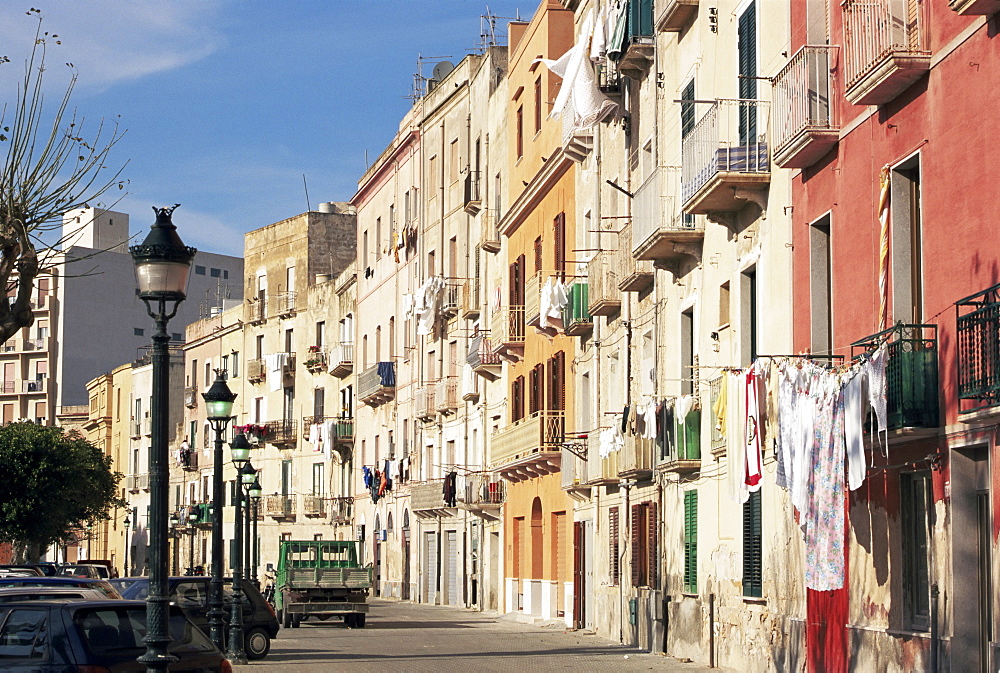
[451,558]
[430,553]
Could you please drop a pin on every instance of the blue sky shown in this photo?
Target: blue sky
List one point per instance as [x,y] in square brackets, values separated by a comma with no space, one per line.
[227,103]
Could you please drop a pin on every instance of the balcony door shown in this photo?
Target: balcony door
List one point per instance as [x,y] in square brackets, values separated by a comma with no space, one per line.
[747,44]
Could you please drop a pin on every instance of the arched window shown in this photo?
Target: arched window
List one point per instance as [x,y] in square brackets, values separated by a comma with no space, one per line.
[388,523]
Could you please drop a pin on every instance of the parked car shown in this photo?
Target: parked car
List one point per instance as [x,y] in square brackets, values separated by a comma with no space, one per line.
[79,582]
[20,571]
[123,583]
[18,594]
[53,637]
[91,570]
[260,624]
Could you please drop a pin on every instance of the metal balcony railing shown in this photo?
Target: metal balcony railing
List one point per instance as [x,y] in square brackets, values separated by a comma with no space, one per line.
[637,456]
[342,359]
[911,374]
[633,275]
[471,200]
[428,496]
[470,299]
[605,296]
[659,229]
[137,482]
[490,237]
[191,397]
[542,431]
[279,506]
[377,384]
[283,432]
[446,394]
[507,330]
[256,370]
[316,359]
[203,515]
[38,386]
[979,350]
[189,461]
[313,505]
[802,110]
[36,344]
[573,470]
[576,314]
[484,489]
[423,403]
[341,510]
[451,297]
[285,303]
[876,30]
[256,310]
[731,137]
[482,358]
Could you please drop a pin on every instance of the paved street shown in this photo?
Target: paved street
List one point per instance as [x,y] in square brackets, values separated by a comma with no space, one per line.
[409,637]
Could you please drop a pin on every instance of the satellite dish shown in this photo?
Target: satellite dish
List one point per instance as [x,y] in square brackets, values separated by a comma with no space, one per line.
[442,69]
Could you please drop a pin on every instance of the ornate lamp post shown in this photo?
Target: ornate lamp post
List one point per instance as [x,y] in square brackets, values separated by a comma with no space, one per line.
[219,404]
[240,449]
[247,476]
[175,533]
[162,263]
[128,523]
[255,494]
[192,517]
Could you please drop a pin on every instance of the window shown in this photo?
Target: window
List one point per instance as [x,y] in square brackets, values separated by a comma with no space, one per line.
[320,334]
[517,399]
[614,547]
[559,242]
[724,304]
[644,534]
[687,352]
[177,336]
[138,331]
[747,47]
[378,237]
[215,273]
[538,104]
[535,388]
[914,495]
[318,485]
[23,636]
[519,126]
[748,317]
[199,270]
[557,382]
[235,359]
[820,287]
[907,267]
[753,582]
[538,254]
[691,542]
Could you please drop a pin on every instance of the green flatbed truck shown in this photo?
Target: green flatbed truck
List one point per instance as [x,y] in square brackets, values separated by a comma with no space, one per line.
[321,578]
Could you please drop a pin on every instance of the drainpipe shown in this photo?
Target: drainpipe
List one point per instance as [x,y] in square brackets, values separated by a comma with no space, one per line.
[935,647]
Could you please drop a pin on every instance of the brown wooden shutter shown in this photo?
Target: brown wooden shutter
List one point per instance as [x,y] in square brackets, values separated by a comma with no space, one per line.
[538,254]
[520,281]
[559,381]
[637,555]
[560,243]
[613,548]
[652,537]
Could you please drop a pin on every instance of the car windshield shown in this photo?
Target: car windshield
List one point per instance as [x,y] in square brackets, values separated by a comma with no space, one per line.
[119,631]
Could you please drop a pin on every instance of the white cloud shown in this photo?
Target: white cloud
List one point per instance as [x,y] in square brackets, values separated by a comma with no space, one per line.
[110,41]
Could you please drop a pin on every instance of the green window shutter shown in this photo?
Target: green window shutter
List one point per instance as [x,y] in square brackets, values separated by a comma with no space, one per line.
[752,547]
[747,46]
[691,542]
[687,109]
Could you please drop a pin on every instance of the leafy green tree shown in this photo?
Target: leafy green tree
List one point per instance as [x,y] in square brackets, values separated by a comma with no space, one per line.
[54,483]
[48,165]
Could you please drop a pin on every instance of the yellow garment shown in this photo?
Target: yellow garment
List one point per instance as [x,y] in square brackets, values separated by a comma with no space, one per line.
[719,408]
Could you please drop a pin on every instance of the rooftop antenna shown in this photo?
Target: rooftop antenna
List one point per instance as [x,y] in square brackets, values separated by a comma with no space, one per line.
[306,187]
[488,33]
[419,89]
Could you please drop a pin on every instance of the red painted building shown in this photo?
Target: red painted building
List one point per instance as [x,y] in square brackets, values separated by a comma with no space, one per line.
[910,88]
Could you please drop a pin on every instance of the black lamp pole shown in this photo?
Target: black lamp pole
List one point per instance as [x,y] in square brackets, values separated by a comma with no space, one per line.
[219,405]
[247,476]
[192,517]
[128,542]
[175,533]
[162,263]
[255,492]
[240,448]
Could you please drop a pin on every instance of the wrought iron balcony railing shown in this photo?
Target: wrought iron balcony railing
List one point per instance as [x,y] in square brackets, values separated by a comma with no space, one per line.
[341,510]
[342,359]
[605,297]
[285,304]
[279,506]
[979,350]
[911,374]
[313,506]
[576,316]
[884,49]
[446,394]
[191,397]
[804,125]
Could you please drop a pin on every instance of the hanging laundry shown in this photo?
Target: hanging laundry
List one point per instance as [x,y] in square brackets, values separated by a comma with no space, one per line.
[684,406]
[625,413]
[824,514]
[427,304]
[754,462]
[367,479]
[854,440]
[276,364]
[736,485]
[449,489]
[610,440]
[649,415]
[875,365]
[387,374]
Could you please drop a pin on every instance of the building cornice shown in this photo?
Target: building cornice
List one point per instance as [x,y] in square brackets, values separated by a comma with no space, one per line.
[554,168]
[385,163]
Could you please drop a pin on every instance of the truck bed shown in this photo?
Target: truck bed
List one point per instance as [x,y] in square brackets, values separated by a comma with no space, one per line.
[327,578]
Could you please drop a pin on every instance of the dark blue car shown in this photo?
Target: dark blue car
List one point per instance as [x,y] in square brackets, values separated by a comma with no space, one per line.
[54,637]
[79,582]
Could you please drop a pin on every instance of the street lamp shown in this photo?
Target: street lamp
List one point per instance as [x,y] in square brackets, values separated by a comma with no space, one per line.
[255,493]
[175,533]
[128,523]
[162,263]
[240,450]
[192,518]
[219,404]
[247,476]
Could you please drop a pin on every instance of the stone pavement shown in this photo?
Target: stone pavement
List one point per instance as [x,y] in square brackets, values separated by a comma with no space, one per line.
[413,637]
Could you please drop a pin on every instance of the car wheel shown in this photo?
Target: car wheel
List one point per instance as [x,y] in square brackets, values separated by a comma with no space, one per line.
[257,643]
[296,620]
[359,620]
[349,621]
[285,618]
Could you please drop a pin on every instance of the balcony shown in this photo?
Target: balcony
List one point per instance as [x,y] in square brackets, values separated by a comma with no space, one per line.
[633,275]
[605,297]
[342,359]
[256,370]
[427,499]
[726,161]
[974,7]
[575,316]
[574,470]
[609,80]
[285,304]
[911,376]
[191,397]
[660,232]
[316,360]
[507,332]
[481,357]
[471,201]
[484,494]
[490,240]
[36,344]
[600,471]
[189,461]
[718,441]
[639,45]
[533,296]
[530,447]
[377,384]
[341,429]
[423,403]
[883,49]
[673,16]
[685,456]
[137,482]
[578,143]
[203,516]
[313,506]
[451,297]
[256,310]
[283,432]
[636,458]
[470,299]
[37,386]
[979,350]
[279,506]
[446,395]
[341,511]
[804,127]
